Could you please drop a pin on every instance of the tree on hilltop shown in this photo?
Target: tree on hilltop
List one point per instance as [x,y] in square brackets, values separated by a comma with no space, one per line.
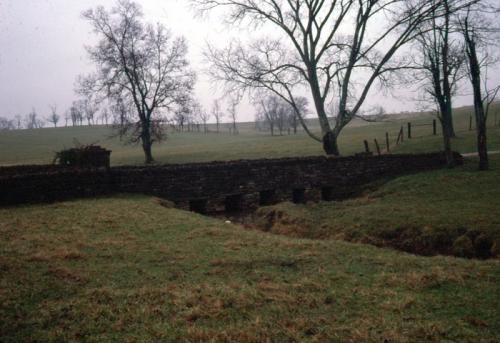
[139,63]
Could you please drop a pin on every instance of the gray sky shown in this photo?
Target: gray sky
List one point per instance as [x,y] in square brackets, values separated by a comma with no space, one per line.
[42,52]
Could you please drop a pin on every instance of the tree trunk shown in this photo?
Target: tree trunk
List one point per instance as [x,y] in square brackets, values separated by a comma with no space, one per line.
[447,120]
[147,145]
[475,77]
[330,144]
[450,161]
[482,146]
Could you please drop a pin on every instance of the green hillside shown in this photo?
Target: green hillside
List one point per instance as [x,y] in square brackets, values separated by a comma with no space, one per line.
[129,270]
[39,146]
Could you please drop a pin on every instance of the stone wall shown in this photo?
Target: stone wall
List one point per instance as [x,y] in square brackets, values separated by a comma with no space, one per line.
[215,186]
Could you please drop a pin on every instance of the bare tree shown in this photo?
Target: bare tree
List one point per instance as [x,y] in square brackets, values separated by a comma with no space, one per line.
[18,121]
[76,113]
[89,107]
[32,120]
[205,117]
[54,117]
[105,116]
[6,124]
[314,53]
[217,114]
[67,117]
[141,63]
[232,110]
[182,116]
[267,109]
[440,67]
[476,32]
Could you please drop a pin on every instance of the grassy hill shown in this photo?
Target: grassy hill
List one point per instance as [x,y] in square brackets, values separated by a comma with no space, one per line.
[127,269]
[39,146]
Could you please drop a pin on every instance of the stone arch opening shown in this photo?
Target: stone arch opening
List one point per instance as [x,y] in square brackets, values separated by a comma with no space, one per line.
[233,203]
[327,193]
[299,196]
[198,206]
[267,197]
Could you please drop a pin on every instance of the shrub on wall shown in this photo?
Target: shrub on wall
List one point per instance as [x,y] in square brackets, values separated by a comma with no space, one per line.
[84,156]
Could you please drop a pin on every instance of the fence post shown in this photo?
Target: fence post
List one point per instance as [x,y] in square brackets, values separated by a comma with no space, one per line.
[377,146]
[409,130]
[387,143]
[434,127]
[402,131]
[470,123]
[367,148]
[400,136]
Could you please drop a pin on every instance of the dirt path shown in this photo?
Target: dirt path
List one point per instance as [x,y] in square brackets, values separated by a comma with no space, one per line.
[474,154]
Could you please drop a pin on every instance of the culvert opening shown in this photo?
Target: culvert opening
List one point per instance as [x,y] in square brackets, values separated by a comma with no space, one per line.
[233,203]
[198,206]
[267,197]
[299,196]
[327,193]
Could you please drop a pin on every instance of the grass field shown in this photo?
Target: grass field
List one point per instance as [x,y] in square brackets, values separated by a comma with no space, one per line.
[126,269]
[39,146]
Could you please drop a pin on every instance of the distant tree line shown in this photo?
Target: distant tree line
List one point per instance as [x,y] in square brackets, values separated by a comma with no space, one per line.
[278,116]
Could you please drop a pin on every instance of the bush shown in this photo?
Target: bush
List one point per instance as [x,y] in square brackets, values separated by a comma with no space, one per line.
[84,156]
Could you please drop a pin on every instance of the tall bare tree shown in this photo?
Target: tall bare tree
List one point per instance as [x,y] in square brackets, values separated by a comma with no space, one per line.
[18,121]
[89,107]
[477,36]
[267,110]
[314,52]
[139,62]
[32,120]
[182,116]
[6,124]
[439,66]
[105,116]
[217,114]
[54,117]
[205,117]
[76,113]
[232,110]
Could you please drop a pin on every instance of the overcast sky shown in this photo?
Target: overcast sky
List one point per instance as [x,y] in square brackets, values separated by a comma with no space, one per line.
[42,52]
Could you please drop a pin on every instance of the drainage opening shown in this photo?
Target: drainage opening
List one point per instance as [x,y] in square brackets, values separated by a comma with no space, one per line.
[267,197]
[327,193]
[234,203]
[198,206]
[299,196]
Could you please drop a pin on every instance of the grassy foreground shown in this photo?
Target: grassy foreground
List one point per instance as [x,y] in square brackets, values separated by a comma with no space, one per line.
[129,270]
[452,212]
